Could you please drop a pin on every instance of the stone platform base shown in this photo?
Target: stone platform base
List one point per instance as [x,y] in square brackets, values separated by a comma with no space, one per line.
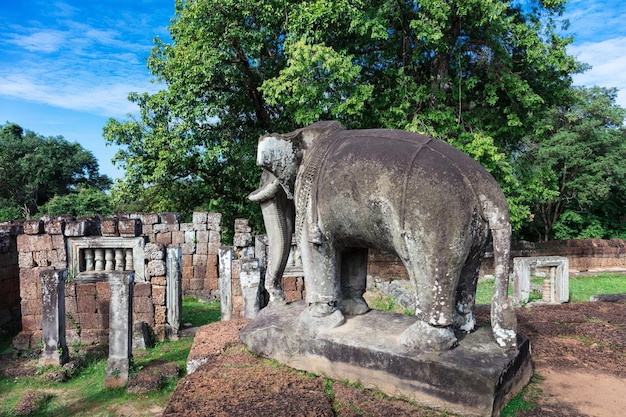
[476,378]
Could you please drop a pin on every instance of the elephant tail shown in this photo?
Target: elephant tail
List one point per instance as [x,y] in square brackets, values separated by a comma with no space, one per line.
[503,319]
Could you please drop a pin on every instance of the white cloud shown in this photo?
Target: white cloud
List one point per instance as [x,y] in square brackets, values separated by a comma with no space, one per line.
[40,41]
[83,92]
[600,41]
[608,61]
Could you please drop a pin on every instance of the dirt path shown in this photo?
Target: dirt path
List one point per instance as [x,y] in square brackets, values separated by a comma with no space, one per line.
[592,394]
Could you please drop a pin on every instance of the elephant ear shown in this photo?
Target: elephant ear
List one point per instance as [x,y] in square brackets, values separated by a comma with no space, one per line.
[281,154]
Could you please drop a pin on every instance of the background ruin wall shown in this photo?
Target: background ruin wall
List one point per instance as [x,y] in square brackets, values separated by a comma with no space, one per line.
[46,244]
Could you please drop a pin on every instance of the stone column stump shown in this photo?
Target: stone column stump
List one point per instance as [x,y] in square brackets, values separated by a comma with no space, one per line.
[120,329]
[55,350]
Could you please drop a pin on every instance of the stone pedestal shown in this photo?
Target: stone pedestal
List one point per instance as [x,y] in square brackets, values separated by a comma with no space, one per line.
[55,350]
[120,329]
[476,378]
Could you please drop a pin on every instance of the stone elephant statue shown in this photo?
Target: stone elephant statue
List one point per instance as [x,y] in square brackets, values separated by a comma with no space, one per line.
[342,191]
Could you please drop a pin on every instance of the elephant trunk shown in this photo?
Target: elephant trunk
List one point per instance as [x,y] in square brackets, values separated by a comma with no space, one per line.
[503,319]
[278,216]
[267,190]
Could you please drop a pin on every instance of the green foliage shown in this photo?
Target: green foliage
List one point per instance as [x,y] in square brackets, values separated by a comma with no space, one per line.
[85,202]
[479,74]
[577,163]
[10,213]
[34,169]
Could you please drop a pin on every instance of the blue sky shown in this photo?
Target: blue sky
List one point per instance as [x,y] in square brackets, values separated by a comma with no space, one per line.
[67,66]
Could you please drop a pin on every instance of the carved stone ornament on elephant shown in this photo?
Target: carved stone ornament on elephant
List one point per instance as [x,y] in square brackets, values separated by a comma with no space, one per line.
[400,192]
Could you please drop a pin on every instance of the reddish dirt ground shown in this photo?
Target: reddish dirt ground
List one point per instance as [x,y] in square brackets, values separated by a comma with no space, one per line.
[579,354]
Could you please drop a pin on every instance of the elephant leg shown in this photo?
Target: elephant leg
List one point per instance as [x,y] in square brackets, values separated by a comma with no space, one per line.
[466,294]
[435,278]
[323,292]
[353,281]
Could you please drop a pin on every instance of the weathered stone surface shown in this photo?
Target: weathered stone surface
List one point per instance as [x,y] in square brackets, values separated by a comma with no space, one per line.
[109,227]
[609,298]
[475,378]
[156,268]
[129,227]
[170,218]
[153,251]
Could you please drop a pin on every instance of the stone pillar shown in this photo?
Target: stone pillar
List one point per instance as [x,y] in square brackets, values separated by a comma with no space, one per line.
[174,291]
[53,318]
[251,290]
[120,329]
[225,280]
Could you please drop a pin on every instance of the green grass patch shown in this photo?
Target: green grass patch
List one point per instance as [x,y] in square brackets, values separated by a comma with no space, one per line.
[199,313]
[527,399]
[580,287]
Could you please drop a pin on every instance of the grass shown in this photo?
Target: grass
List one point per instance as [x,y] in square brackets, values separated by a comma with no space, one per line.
[580,287]
[84,393]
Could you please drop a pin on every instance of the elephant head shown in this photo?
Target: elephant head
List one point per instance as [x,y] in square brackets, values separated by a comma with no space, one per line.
[281,155]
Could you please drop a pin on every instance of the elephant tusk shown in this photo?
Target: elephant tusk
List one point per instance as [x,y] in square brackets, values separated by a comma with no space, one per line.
[265,192]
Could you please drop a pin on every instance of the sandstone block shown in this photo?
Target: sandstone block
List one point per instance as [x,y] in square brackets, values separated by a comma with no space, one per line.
[154,251]
[142,305]
[159,315]
[158,295]
[200,217]
[109,228]
[26,260]
[33,227]
[164,238]
[169,218]
[200,260]
[214,220]
[155,268]
[142,289]
[129,227]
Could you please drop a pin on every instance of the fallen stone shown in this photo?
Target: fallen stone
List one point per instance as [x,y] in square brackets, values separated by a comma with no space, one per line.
[475,378]
[609,298]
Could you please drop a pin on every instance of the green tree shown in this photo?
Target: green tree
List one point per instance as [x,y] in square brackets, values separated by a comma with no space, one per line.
[34,169]
[478,73]
[578,161]
[87,201]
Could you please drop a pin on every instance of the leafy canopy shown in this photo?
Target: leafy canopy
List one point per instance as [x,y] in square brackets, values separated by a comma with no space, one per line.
[35,169]
[578,162]
[480,74]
